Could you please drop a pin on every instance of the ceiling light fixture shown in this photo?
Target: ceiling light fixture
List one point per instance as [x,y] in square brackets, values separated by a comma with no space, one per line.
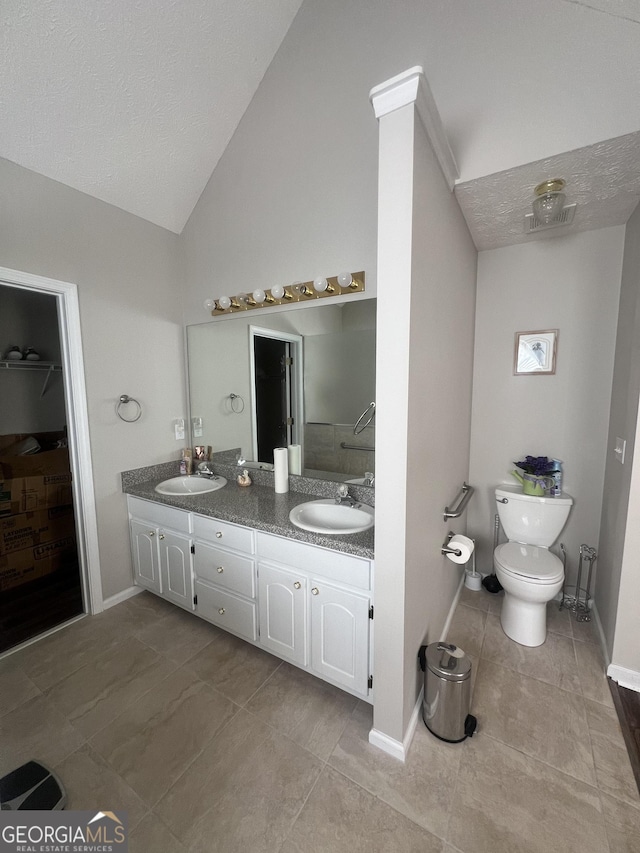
[549,200]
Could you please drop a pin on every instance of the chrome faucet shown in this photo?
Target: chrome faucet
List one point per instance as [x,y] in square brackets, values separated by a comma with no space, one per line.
[343,496]
[204,469]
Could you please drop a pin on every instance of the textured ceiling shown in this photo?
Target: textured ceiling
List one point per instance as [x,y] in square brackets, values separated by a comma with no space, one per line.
[603,179]
[132,101]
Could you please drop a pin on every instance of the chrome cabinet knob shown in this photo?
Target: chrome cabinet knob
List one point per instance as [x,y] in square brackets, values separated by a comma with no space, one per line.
[221,611]
[297,585]
[219,534]
[152,533]
[161,536]
[220,570]
[315,590]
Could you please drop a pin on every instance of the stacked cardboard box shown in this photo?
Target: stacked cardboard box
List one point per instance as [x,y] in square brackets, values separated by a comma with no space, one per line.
[37,530]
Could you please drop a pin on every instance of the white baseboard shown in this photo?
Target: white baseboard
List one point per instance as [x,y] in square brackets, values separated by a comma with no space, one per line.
[398,749]
[452,610]
[624,677]
[119,597]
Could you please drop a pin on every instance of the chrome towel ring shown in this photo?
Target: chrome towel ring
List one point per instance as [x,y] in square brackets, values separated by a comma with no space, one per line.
[368,413]
[124,400]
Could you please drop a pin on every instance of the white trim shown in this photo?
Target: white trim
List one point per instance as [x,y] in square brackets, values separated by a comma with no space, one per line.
[411,87]
[77,424]
[624,677]
[394,747]
[119,597]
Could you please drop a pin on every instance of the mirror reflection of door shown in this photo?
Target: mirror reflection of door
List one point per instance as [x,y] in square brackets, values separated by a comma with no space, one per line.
[276,367]
[273,395]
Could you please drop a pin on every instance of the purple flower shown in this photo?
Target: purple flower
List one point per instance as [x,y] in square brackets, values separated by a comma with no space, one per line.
[536,465]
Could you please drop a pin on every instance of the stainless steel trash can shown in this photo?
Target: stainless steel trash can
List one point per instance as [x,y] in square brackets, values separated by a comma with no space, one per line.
[447,692]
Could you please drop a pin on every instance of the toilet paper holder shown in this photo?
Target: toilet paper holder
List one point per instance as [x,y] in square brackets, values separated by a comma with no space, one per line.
[445,546]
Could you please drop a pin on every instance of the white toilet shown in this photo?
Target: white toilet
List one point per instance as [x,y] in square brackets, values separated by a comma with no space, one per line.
[529,573]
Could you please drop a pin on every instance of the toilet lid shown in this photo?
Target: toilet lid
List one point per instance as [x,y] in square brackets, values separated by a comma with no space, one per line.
[529,561]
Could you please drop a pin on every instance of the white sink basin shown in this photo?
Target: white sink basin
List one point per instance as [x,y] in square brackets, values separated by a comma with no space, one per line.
[326,516]
[190,485]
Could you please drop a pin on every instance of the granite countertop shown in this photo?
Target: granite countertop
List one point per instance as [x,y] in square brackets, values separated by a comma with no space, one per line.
[256,506]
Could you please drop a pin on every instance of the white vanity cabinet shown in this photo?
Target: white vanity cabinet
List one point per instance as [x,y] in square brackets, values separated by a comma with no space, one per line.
[306,604]
[225,576]
[315,609]
[161,547]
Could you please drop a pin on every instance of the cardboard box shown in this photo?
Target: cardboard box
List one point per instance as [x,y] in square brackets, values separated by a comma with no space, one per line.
[38,464]
[31,563]
[29,494]
[46,440]
[29,529]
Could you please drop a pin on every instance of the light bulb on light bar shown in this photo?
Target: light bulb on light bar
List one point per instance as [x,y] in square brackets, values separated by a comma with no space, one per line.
[209,304]
[320,284]
[345,279]
[224,303]
[259,296]
[277,291]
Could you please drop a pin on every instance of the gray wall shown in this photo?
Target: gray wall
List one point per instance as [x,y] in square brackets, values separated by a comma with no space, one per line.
[127,273]
[622,423]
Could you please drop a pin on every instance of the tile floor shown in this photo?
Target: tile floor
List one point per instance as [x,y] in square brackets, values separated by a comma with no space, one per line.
[214,745]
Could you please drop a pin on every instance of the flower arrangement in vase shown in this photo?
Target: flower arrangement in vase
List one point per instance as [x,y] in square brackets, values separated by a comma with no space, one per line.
[536,479]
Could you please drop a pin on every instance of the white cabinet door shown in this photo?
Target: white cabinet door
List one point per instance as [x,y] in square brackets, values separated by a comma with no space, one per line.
[175,568]
[146,562]
[282,597]
[340,635]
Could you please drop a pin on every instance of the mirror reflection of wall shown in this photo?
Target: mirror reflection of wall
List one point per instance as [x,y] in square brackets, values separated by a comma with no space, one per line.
[339,383]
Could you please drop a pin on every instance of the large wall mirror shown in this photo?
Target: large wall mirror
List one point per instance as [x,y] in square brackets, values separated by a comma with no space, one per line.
[299,376]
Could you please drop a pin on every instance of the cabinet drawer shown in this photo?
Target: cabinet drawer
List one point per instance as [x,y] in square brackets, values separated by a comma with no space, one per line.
[344,568]
[224,609]
[223,533]
[159,515]
[226,569]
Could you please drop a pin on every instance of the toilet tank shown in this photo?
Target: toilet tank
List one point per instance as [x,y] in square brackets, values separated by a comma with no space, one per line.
[530,520]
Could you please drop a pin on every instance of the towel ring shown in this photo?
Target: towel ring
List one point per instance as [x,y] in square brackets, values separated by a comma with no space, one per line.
[234,404]
[371,412]
[123,401]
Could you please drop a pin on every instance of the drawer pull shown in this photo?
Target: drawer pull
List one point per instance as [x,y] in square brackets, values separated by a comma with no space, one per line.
[161,536]
[152,533]
[315,590]
[297,585]
[220,570]
[221,611]
[219,534]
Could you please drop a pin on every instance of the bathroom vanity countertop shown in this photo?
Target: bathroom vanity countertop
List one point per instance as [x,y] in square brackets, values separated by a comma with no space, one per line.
[258,507]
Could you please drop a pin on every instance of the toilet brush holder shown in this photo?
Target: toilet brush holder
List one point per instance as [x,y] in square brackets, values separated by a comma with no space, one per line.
[473,579]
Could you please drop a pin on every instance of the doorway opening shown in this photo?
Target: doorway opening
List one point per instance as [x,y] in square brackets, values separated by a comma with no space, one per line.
[276,391]
[49,565]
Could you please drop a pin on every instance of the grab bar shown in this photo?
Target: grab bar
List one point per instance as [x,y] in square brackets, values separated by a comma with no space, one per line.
[345,446]
[465,493]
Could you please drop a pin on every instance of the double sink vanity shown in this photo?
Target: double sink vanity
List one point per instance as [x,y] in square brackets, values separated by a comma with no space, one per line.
[291,573]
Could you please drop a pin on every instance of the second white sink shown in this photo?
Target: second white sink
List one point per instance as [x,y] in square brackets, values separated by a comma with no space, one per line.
[190,484]
[326,516]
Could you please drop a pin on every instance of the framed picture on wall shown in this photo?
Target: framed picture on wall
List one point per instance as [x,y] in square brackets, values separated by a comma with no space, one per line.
[535,353]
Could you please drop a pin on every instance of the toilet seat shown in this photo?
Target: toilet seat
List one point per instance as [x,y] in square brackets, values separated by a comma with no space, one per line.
[529,563]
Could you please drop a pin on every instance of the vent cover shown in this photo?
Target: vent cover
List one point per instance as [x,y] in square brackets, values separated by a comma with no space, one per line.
[565,217]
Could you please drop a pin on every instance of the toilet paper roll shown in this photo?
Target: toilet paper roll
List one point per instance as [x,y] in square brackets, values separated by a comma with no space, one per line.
[281,470]
[295,459]
[462,544]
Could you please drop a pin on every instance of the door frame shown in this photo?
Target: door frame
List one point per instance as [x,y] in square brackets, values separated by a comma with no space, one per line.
[66,295]
[296,383]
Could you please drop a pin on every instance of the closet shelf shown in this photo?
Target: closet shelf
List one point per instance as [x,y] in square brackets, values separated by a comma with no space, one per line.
[49,366]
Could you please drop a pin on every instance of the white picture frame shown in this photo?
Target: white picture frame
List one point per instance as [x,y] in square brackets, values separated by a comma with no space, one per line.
[535,353]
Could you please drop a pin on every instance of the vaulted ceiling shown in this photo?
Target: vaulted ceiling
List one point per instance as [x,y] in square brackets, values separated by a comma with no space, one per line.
[134,101]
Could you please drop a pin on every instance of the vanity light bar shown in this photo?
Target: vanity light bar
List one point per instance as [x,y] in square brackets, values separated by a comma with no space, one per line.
[299,291]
